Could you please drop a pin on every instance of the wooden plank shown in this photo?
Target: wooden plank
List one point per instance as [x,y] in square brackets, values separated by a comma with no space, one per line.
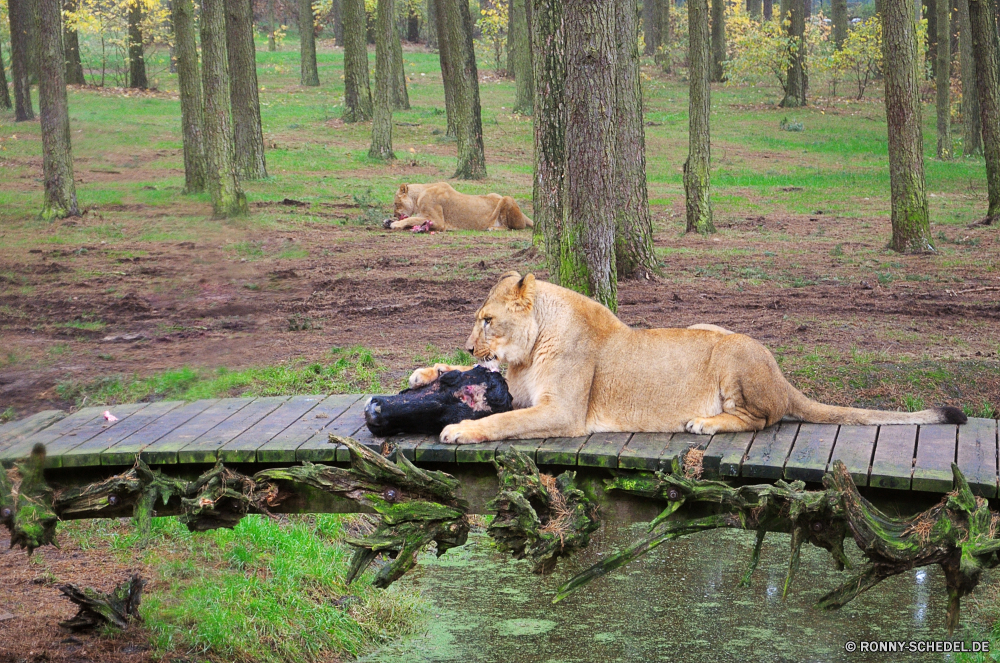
[855,445]
[527,447]
[724,454]
[436,451]
[892,465]
[124,452]
[678,446]
[936,444]
[281,448]
[602,449]
[769,450]
[559,450]
[317,448]
[643,451]
[407,444]
[14,431]
[21,446]
[205,448]
[808,459]
[89,453]
[243,448]
[165,449]
[977,455]
[482,452]
[94,427]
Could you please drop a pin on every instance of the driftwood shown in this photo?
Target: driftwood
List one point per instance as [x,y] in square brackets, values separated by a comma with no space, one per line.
[118,608]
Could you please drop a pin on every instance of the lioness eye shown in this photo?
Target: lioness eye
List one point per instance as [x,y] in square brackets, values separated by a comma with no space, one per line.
[487,321]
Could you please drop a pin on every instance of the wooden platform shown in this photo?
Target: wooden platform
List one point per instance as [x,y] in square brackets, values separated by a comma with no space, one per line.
[290,429]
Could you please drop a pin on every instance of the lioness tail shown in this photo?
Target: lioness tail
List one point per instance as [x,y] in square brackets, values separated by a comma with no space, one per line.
[801,407]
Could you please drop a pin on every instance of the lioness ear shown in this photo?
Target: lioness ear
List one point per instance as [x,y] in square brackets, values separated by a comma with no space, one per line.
[403,189]
[522,298]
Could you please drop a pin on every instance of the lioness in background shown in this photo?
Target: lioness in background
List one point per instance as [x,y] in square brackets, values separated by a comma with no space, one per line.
[447,209]
[574,369]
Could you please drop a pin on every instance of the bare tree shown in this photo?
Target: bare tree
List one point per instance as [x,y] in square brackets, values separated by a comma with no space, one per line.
[382,119]
[71,40]
[5,101]
[651,25]
[942,77]
[519,55]
[549,46]
[718,39]
[307,44]
[249,136]
[697,178]
[398,97]
[357,90]
[972,129]
[465,90]
[136,55]
[57,156]
[982,15]
[189,86]
[910,220]
[446,58]
[21,44]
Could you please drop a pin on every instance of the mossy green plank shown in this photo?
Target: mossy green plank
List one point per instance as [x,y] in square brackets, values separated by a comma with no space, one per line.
[936,444]
[769,450]
[643,451]
[205,448]
[22,445]
[724,454]
[89,454]
[14,431]
[811,454]
[602,449]
[977,455]
[95,427]
[243,448]
[892,465]
[436,451]
[482,452]
[679,445]
[559,450]
[124,452]
[165,449]
[527,447]
[407,444]
[282,447]
[854,448]
[318,449]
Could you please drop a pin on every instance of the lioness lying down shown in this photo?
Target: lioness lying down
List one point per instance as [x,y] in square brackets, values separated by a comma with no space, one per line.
[440,207]
[574,369]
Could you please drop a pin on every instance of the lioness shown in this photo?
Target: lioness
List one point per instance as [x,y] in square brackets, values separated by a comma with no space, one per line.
[440,207]
[574,368]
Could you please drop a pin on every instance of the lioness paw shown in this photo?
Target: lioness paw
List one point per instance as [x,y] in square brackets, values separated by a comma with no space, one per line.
[423,376]
[462,433]
[701,427]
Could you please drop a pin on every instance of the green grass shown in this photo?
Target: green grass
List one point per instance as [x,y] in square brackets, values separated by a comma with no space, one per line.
[267,590]
[7,415]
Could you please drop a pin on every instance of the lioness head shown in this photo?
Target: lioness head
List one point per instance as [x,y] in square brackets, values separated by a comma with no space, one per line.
[505,328]
[403,204]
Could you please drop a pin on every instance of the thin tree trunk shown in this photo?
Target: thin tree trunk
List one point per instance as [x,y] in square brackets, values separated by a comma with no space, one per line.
[987,51]
[447,58]
[943,79]
[431,25]
[189,85]
[382,120]
[357,88]
[5,101]
[910,221]
[33,27]
[227,195]
[548,41]
[468,117]
[839,9]
[697,181]
[136,56]
[57,155]
[768,9]
[20,12]
[795,95]
[519,56]
[754,9]
[249,154]
[718,39]
[930,12]
[307,41]
[651,26]
[337,13]
[972,128]
[398,98]
[71,40]
[633,224]
[272,44]
[587,243]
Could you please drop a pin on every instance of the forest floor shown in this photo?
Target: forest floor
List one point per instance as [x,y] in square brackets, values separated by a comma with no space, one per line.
[143,296]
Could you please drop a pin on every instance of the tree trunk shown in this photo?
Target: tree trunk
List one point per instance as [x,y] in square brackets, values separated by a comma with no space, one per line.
[943,79]
[5,101]
[413,26]
[930,12]
[587,243]
[910,222]
[337,13]
[307,41]
[839,9]
[249,154]
[33,27]
[768,9]
[718,39]
[272,44]
[431,25]
[548,40]
[651,26]
[797,82]
[398,98]
[19,12]
[71,39]
[468,117]
[57,155]
[382,119]
[136,57]
[986,50]
[519,56]
[754,9]
[972,128]
[227,195]
[447,58]
[189,86]
[357,89]
[697,182]
[633,224]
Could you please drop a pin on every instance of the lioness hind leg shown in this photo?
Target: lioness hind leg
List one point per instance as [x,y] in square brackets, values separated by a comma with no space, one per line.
[508,214]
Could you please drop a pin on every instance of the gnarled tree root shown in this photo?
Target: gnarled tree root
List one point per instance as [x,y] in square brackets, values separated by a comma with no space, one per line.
[118,608]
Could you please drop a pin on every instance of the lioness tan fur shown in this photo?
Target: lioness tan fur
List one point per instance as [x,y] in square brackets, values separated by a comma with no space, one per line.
[448,209]
[575,369]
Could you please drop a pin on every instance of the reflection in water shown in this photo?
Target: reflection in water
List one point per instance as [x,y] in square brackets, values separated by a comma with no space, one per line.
[680,602]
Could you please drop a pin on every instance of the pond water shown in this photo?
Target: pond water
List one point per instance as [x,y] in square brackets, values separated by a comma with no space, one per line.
[681,602]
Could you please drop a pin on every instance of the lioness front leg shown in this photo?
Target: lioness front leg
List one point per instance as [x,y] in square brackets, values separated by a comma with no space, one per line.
[423,376]
[536,421]
[408,222]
